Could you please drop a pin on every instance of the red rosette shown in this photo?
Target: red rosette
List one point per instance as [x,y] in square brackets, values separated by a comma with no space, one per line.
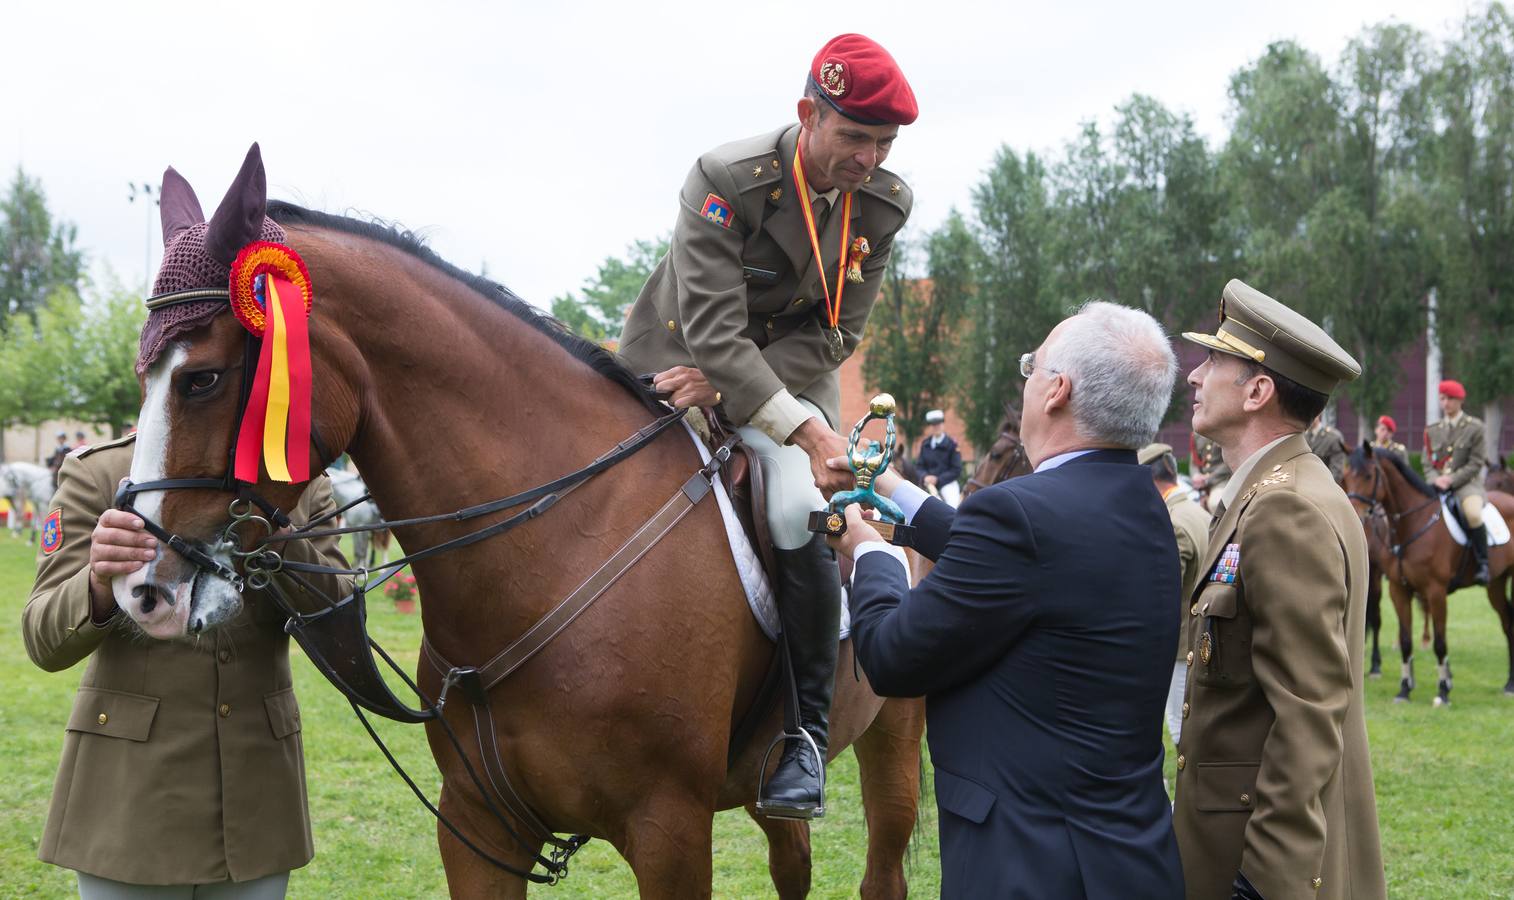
[261,258]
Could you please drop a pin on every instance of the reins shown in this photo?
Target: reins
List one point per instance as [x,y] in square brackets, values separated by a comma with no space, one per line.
[1376,508]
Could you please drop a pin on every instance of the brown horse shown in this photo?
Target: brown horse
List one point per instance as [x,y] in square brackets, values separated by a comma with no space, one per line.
[1006,457]
[1499,477]
[1422,558]
[620,727]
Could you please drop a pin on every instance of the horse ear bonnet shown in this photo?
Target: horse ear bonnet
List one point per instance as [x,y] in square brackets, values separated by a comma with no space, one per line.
[197,254]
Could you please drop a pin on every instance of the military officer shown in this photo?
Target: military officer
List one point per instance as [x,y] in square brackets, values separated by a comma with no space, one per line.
[1329,445]
[1210,472]
[182,760]
[775,262]
[1274,782]
[1383,432]
[939,462]
[1455,450]
[1190,528]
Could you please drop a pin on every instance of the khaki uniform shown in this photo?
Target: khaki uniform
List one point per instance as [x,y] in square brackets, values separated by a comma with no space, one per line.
[1274,776]
[738,295]
[1190,526]
[1329,445]
[1393,447]
[1457,449]
[182,760]
[1208,461]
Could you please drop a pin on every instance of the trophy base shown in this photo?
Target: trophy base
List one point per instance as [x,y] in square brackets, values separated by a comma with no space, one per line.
[823,521]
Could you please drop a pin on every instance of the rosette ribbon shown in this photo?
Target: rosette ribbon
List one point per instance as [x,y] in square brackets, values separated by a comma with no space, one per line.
[271,296]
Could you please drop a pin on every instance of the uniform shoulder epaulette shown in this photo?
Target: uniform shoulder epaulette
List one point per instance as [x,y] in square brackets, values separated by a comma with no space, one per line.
[887,186]
[751,162]
[122,441]
[1280,475]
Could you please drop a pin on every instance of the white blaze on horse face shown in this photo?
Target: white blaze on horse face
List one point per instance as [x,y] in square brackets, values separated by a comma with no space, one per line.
[169,610]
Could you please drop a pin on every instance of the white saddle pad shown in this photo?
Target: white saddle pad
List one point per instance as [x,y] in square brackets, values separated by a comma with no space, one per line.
[759,594]
[1492,520]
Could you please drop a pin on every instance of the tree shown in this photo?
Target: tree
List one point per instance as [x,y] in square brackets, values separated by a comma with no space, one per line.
[37,257]
[913,327]
[600,312]
[103,367]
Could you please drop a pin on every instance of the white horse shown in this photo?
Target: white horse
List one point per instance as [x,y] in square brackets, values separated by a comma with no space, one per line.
[347,486]
[23,481]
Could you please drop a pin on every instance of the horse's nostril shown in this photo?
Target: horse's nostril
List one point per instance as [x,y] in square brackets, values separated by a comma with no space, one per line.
[147,595]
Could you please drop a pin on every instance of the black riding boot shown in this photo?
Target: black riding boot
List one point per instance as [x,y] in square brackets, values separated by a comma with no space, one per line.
[1477,539]
[809,608]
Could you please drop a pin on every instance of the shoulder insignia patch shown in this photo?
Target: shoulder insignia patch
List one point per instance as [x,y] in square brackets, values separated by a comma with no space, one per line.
[717,210]
[52,532]
[1228,565]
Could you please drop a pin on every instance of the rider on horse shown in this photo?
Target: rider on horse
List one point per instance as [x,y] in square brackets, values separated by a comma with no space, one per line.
[1383,432]
[1455,450]
[746,314]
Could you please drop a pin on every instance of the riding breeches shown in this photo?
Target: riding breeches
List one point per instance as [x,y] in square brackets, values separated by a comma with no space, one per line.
[789,485]
[1471,498]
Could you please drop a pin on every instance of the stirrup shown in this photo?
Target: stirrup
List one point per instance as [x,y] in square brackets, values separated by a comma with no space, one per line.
[789,812]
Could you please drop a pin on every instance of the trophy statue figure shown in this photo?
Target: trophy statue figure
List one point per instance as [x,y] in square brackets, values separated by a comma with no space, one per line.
[868,460]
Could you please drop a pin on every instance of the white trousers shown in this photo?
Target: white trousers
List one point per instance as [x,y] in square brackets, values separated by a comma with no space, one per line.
[950,493]
[789,485]
[1175,700]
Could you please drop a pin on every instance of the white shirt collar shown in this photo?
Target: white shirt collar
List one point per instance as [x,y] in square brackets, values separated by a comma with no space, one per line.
[830,196]
[1060,458]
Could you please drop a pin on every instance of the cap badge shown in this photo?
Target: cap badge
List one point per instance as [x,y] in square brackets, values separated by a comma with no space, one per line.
[833,77]
[717,210]
[859,252]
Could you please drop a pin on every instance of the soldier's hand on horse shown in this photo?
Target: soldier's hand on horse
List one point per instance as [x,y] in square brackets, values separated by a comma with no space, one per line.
[858,531]
[118,546]
[1443,483]
[687,386]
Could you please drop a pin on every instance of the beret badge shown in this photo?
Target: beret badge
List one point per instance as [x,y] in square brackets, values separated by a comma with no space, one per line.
[833,77]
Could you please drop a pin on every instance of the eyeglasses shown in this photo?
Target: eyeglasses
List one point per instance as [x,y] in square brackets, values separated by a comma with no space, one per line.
[1028,365]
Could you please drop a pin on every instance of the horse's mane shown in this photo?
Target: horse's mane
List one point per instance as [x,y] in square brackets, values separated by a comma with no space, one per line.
[1359,463]
[591,354]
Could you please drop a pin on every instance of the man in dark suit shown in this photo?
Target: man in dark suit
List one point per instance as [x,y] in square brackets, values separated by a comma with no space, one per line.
[1044,663]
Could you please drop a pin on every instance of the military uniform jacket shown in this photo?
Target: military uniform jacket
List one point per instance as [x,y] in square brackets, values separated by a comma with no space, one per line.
[1190,527]
[1394,447]
[1210,463]
[182,760]
[738,294]
[1274,777]
[1458,451]
[1329,445]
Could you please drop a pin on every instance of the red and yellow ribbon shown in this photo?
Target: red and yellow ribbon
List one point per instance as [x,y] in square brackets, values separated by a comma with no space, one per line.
[271,296]
[832,305]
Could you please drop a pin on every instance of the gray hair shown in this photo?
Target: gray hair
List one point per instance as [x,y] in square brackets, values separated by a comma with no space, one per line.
[1122,369]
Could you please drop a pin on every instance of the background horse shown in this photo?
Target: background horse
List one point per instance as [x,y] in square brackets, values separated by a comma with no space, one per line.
[21,482]
[1005,458]
[1422,557]
[621,726]
[367,546]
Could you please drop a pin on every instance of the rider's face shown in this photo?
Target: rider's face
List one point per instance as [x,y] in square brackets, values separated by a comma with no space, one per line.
[1450,407]
[838,152]
[1383,434]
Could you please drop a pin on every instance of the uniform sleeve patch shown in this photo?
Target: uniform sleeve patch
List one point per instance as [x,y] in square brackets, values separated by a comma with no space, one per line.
[717,210]
[52,532]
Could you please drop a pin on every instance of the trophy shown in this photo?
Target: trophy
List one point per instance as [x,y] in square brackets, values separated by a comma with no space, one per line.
[868,461]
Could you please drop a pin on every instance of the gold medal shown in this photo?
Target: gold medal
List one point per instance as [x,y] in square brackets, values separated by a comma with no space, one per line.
[833,341]
[1206,649]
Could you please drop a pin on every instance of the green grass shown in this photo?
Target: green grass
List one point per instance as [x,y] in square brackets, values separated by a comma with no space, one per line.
[1444,783]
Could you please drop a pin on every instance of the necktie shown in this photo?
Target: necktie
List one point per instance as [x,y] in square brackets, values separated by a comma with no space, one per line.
[1219,513]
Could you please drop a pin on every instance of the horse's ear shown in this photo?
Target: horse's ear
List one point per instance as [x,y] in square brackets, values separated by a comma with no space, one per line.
[1366,448]
[239,219]
[177,205]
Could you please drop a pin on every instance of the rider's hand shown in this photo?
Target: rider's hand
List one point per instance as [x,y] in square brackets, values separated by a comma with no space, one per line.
[884,485]
[118,546]
[688,387]
[858,531]
[1443,482]
[930,481]
[822,444]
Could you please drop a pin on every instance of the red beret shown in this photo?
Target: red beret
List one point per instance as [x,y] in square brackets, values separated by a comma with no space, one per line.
[1388,421]
[1453,389]
[858,77]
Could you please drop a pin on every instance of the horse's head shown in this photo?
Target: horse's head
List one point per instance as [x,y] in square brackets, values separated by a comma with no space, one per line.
[194,363]
[1006,456]
[1365,482]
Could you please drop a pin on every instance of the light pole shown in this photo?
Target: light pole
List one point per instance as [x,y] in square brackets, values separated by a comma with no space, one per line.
[149,197]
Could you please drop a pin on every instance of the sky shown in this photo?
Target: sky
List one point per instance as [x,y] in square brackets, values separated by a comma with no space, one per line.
[533,140]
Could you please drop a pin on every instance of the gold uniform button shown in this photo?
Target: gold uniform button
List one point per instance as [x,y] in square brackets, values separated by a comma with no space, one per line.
[1316,882]
[1182,761]
[103,718]
[1185,710]
[224,656]
[224,710]
[1190,657]
[672,326]
[770,324]
[800,301]
[1194,609]
[1245,799]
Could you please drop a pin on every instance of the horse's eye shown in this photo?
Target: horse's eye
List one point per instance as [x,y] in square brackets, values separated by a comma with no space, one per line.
[201,383]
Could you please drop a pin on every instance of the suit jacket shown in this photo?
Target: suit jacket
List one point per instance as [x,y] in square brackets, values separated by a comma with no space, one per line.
[1190,528]
[1043,643]
[943,460]
[1274,776]
[182,760]
[738,295]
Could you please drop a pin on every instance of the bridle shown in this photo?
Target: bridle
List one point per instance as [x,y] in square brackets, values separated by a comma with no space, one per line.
[1015,457]
[1377,511]
[336,638]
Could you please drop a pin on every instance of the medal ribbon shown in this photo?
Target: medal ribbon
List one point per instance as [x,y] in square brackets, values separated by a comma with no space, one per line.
[832,306]
[277,420]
